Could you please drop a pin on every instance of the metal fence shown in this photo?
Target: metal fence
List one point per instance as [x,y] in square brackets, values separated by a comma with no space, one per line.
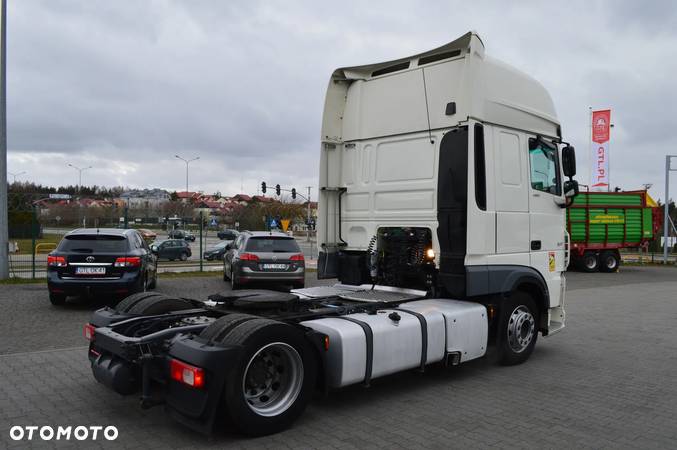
[33,236]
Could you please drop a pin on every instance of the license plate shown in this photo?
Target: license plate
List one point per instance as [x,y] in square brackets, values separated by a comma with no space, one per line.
[274,266]
[90,270]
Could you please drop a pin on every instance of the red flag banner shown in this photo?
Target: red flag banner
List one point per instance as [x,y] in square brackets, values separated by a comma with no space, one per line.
[599,172]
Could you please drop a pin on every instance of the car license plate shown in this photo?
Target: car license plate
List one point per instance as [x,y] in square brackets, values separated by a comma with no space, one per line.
[274,266]
[90,270]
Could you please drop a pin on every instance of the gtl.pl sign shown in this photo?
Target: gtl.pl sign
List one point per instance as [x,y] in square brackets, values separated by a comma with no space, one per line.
[599,172]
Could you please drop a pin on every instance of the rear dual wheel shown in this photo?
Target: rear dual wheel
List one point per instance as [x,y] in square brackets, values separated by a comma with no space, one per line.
[275,378]
[151,303]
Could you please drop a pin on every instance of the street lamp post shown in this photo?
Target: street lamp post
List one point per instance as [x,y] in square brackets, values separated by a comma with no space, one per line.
[14,175]
[666,216]
[187,161]
[80,170]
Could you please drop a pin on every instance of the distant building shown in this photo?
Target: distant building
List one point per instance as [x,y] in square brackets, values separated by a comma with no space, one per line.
[242,199]
[145,198]
[188,197]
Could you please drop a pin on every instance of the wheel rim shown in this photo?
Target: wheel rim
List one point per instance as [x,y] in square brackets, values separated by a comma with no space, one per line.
[611,262]
[521,329]
[273,379]
[590,262]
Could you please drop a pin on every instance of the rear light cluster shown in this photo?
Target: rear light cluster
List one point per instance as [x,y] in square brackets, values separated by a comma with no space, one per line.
[56,261]
[248,257]
[186,374]
[130,261]
[298,257]
[88,331]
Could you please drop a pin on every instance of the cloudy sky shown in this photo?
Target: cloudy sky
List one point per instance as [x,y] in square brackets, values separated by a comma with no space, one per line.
[125,85]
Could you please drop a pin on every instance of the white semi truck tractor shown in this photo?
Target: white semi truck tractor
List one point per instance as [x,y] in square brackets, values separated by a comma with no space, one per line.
[442,188]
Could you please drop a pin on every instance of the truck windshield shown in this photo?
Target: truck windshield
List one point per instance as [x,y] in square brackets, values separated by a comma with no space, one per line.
[544,167]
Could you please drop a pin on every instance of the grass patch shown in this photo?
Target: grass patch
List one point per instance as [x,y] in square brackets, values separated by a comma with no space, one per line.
[18,280]
[25,245]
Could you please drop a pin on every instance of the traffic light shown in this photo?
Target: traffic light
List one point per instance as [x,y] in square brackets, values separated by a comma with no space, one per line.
[277,189]
[263,187]
[293,193]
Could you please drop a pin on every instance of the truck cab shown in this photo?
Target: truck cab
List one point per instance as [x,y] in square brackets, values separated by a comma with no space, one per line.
[444,171]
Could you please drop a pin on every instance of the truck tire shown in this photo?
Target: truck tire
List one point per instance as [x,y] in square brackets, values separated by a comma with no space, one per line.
[217,331]
[609,261]
[151,303]
[517,329]
[273,382]
[128,302]
[160,305]
[589,262]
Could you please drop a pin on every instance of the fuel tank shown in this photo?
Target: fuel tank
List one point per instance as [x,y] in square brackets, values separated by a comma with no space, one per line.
[366,346]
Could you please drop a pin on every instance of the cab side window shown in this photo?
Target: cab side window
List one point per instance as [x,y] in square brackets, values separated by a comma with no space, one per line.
[544,167]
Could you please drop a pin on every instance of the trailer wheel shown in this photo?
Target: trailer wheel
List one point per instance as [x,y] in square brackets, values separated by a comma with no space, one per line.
[273,382]
[589,262]
[517,329]
[609,261]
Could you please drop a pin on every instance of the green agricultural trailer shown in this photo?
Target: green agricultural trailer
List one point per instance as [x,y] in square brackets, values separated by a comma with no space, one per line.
[602,223]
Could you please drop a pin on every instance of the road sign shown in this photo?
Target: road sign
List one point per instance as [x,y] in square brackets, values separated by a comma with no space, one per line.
[285,224]
[273,223]
[213,222]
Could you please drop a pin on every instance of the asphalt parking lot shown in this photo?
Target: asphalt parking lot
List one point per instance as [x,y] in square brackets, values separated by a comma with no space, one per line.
[607,380]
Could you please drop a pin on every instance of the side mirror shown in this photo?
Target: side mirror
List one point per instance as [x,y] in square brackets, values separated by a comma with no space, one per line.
[154,249]
[570,189]
[569,161]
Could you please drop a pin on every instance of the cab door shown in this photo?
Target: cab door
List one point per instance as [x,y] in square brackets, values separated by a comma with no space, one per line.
[546,217]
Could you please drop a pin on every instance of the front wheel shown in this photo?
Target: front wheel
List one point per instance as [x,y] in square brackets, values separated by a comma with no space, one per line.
[184,256]
[517,329]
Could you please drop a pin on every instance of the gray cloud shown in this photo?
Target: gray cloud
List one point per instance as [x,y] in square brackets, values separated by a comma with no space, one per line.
[125,85]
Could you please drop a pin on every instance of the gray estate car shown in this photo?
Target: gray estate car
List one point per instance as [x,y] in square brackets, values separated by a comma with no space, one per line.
[267,256]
